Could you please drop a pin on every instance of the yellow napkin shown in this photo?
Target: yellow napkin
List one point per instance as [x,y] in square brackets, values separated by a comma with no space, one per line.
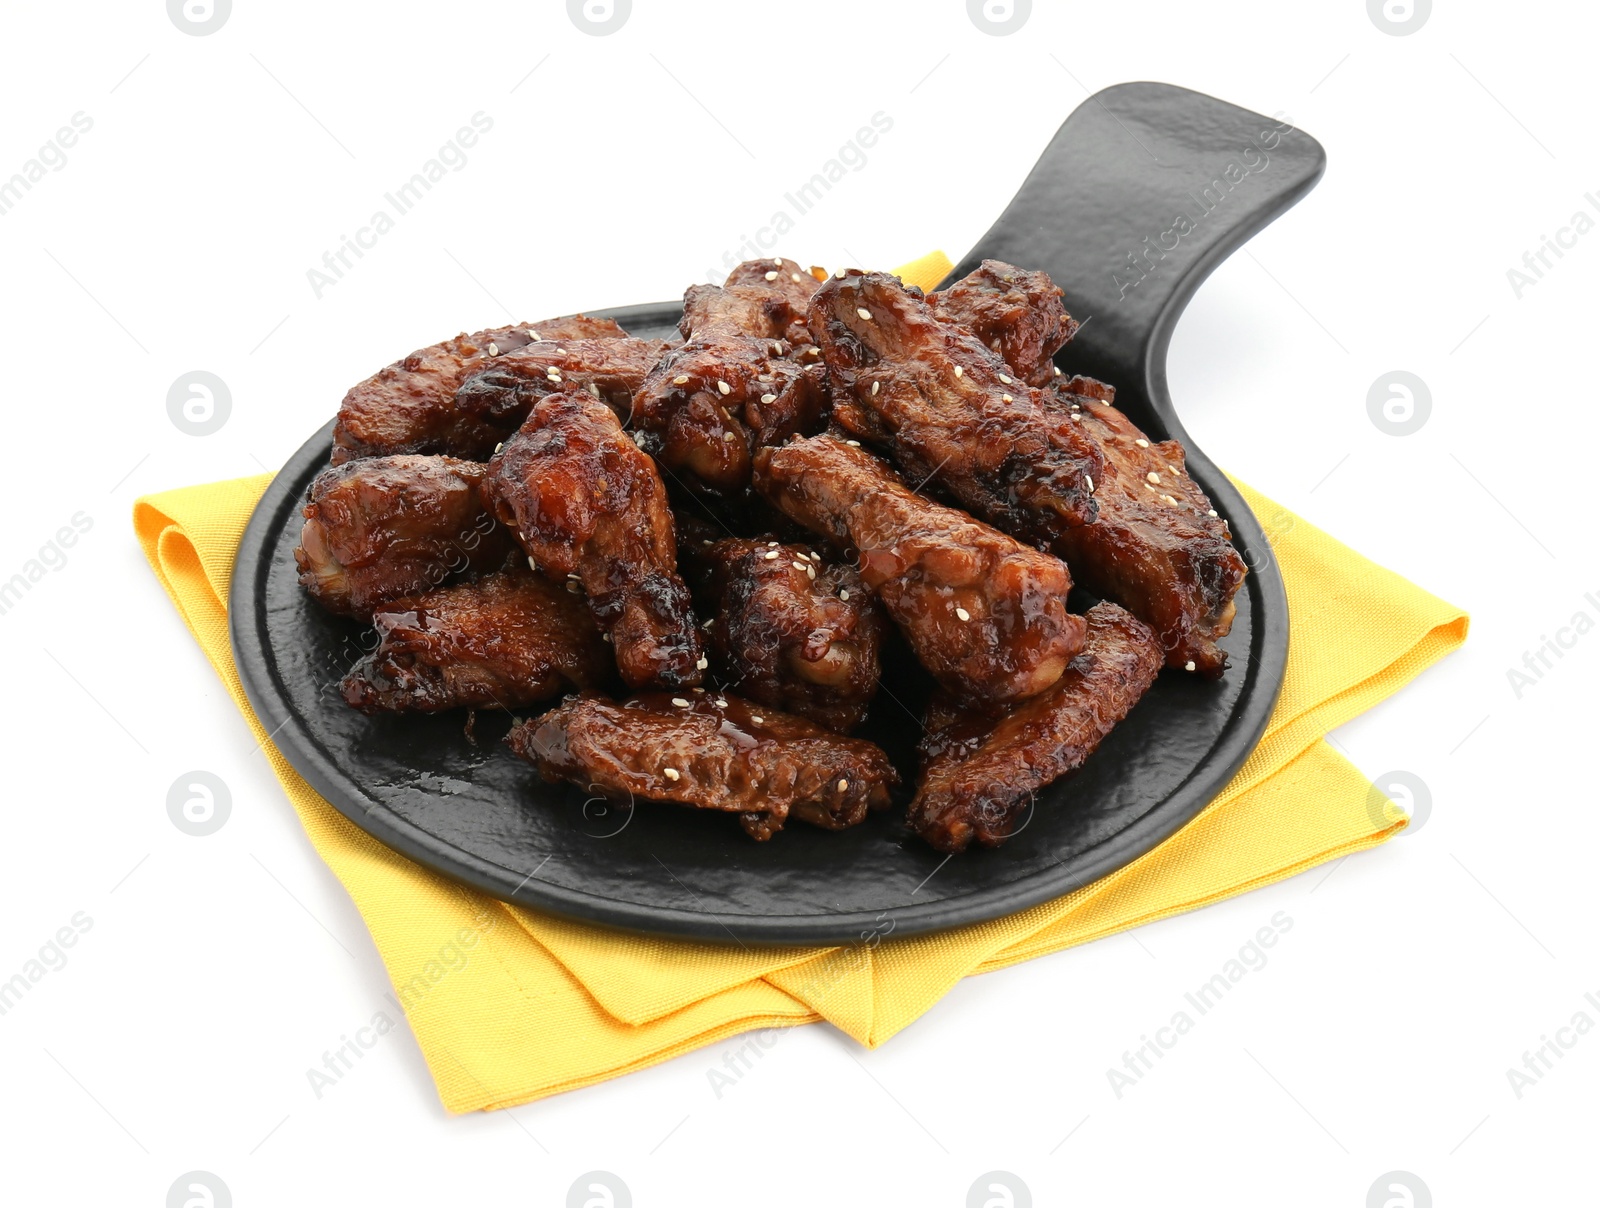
[509,1005]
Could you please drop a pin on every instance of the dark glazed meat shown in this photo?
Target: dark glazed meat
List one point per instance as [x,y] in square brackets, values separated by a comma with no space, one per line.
[386,527]
[713,753]
[735,383]
[1015,313]
[409,407]
[1159,549]
[980,775]
[947,408]
[984,613]
[502,394]
[791,630]
[508,640]
[588,505]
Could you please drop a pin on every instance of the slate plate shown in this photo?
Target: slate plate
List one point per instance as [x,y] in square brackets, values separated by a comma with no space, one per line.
[1142,192]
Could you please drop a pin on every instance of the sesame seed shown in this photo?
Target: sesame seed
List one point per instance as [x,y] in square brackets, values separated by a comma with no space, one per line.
[594,390]
[777,350]
[1004,380]
[681,380]
[500,446]
[707,541]
[533,335]
[1143,444]
[571,575]
[814,556]
[722,702]
[680,702]
[1076,417]
[1212,513]
[574,588]
[532,565]
[772,545]
[561,351]
[1148,487]
[864,313]
[963,614]
[769,398]
[698,691]
[724,388]
[959,371]
[757,718]
[1170,500]
[494,350]
[843,785]
[1153,476]
[839,272]
[1005,398]
[854,444]
[772,274]
[1057,368]
[1189,666]
[1090,481]
[811,572]
[778,260]
[727,436]
[670,773]
[798,565]
[874,389]
[638,439]
[795,277]
[844,595]
[771,555]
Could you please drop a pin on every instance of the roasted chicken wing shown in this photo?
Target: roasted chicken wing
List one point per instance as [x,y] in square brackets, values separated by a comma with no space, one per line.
[507,640]
[980,775]
[1017,314]
[710,752]
[948,408]
[386,527]
[502,394]
[1159,548]
[789,629]
[984,613]
[588,505]
[409,407]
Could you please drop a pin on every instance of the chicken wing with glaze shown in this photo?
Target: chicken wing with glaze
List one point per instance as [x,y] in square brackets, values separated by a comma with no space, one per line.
[409,407]
[502,394]
[510,639]
[713,753]
[1159,548]
[790,630]
[1016,313]
[948,408]
[587,504]
[984,613]
[980,775]
[386,527]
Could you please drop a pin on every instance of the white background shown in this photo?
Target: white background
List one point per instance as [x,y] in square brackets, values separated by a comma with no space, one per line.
[177,237]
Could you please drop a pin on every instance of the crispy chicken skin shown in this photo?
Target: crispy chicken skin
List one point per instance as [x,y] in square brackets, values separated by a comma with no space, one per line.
[1159,549]
[789,629]
[503,393]
[948,408]
[588,505]
[409,407]
[979,775]
[386,527]
[510,639]
[710,752]
[984,613]
[1015,313]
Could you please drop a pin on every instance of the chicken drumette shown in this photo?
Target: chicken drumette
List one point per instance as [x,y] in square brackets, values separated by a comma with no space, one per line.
[1017,314]
[510,639]
[409,407]
[984,613]
[948,408]
[386,527]
[710,752]
[790,629]
[981,773]
[588,505]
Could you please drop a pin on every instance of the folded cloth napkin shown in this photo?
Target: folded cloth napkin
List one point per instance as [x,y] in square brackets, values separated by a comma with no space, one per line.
[510,1005]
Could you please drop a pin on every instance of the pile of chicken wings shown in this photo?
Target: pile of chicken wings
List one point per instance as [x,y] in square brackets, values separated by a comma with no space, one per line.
[701,547]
